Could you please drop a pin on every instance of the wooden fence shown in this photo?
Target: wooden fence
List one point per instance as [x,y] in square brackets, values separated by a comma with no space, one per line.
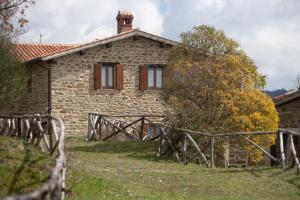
[45,132]
[134,130]
[188,136]
[102,127]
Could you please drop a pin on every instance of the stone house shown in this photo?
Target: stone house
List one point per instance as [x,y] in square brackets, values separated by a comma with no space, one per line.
[121,74]
[288,108]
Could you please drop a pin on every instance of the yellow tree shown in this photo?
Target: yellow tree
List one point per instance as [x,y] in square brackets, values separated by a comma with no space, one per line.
[213,85]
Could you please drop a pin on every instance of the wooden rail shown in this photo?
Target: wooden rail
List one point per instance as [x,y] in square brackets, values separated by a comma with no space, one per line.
[97,121]
[48,133]
[188,135]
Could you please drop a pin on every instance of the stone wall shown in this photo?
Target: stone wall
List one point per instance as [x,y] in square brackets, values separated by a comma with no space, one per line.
[36,98]
[73,94]
[289,114]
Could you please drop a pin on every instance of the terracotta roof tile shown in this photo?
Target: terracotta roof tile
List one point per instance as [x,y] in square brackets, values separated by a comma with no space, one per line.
[30,51]
[287,97]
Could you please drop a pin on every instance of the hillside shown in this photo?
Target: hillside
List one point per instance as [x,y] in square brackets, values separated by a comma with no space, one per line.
[274,93]
[22,167]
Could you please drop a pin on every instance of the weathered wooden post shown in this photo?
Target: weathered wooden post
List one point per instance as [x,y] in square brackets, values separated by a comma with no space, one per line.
[100,127]
[197,148]
[290,136]
[89,128]
[50,132]
[281,149]
[212,160]
[142,128]
[226,153]
[184,153]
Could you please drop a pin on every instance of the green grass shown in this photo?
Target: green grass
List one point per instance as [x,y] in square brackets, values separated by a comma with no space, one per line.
[130,170]
[23,168]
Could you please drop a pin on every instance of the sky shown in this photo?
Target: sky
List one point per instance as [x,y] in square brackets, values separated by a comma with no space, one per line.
[267,30]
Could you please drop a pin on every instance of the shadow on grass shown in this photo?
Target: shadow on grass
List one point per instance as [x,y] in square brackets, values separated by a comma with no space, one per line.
[12,187]
[17,184]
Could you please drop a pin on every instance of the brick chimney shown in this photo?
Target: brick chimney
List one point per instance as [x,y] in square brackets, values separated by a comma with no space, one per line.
[124,21]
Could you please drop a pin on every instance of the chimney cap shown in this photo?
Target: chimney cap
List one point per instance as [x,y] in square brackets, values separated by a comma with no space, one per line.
[124,13]
[124,21]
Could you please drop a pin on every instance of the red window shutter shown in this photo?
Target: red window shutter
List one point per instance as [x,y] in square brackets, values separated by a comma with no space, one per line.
[145,128]
[119,76]
[143,77]
[97,76]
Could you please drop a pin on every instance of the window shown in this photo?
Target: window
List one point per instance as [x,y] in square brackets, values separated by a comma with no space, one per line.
[153,131]
[107,79]
[108,76]
[155,77]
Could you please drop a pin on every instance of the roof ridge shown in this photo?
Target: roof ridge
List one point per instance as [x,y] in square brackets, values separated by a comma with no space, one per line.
[114,35]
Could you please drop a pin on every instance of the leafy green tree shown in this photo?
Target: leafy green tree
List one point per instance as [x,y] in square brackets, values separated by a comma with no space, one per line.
[213,85]
[12,77]
[12,72]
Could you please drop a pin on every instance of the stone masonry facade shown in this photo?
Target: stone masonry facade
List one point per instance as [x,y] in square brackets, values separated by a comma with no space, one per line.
[289,114]
[35,99]
[72,83]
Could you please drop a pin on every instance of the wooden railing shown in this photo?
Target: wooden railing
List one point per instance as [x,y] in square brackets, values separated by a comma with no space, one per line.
[133,129]
[102,127]
[188,136]
[48,133]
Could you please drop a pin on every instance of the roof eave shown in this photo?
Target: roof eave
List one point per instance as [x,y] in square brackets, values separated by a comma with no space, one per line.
[108,40]
[287,100]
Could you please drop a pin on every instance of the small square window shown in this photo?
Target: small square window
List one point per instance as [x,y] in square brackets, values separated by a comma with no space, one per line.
[155,76]
[107,79]
[153,131]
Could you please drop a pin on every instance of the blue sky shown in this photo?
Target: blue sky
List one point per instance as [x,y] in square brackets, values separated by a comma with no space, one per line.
[268,30]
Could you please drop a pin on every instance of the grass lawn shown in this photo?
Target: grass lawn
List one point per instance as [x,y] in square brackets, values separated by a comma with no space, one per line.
[130,170]
[22,167]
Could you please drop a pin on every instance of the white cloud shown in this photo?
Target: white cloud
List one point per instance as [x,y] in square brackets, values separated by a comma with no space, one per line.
[217,5]
[276,51]
[74,21]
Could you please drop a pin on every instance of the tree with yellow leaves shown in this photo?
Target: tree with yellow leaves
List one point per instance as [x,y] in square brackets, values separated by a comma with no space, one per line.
[212,84]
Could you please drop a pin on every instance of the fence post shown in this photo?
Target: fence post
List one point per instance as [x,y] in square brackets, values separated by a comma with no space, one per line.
[89,128]
[160,145]
[184,149]
[100,127]
[50,132]
[142,128]
[281,149]
[212,161]
[290,137]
